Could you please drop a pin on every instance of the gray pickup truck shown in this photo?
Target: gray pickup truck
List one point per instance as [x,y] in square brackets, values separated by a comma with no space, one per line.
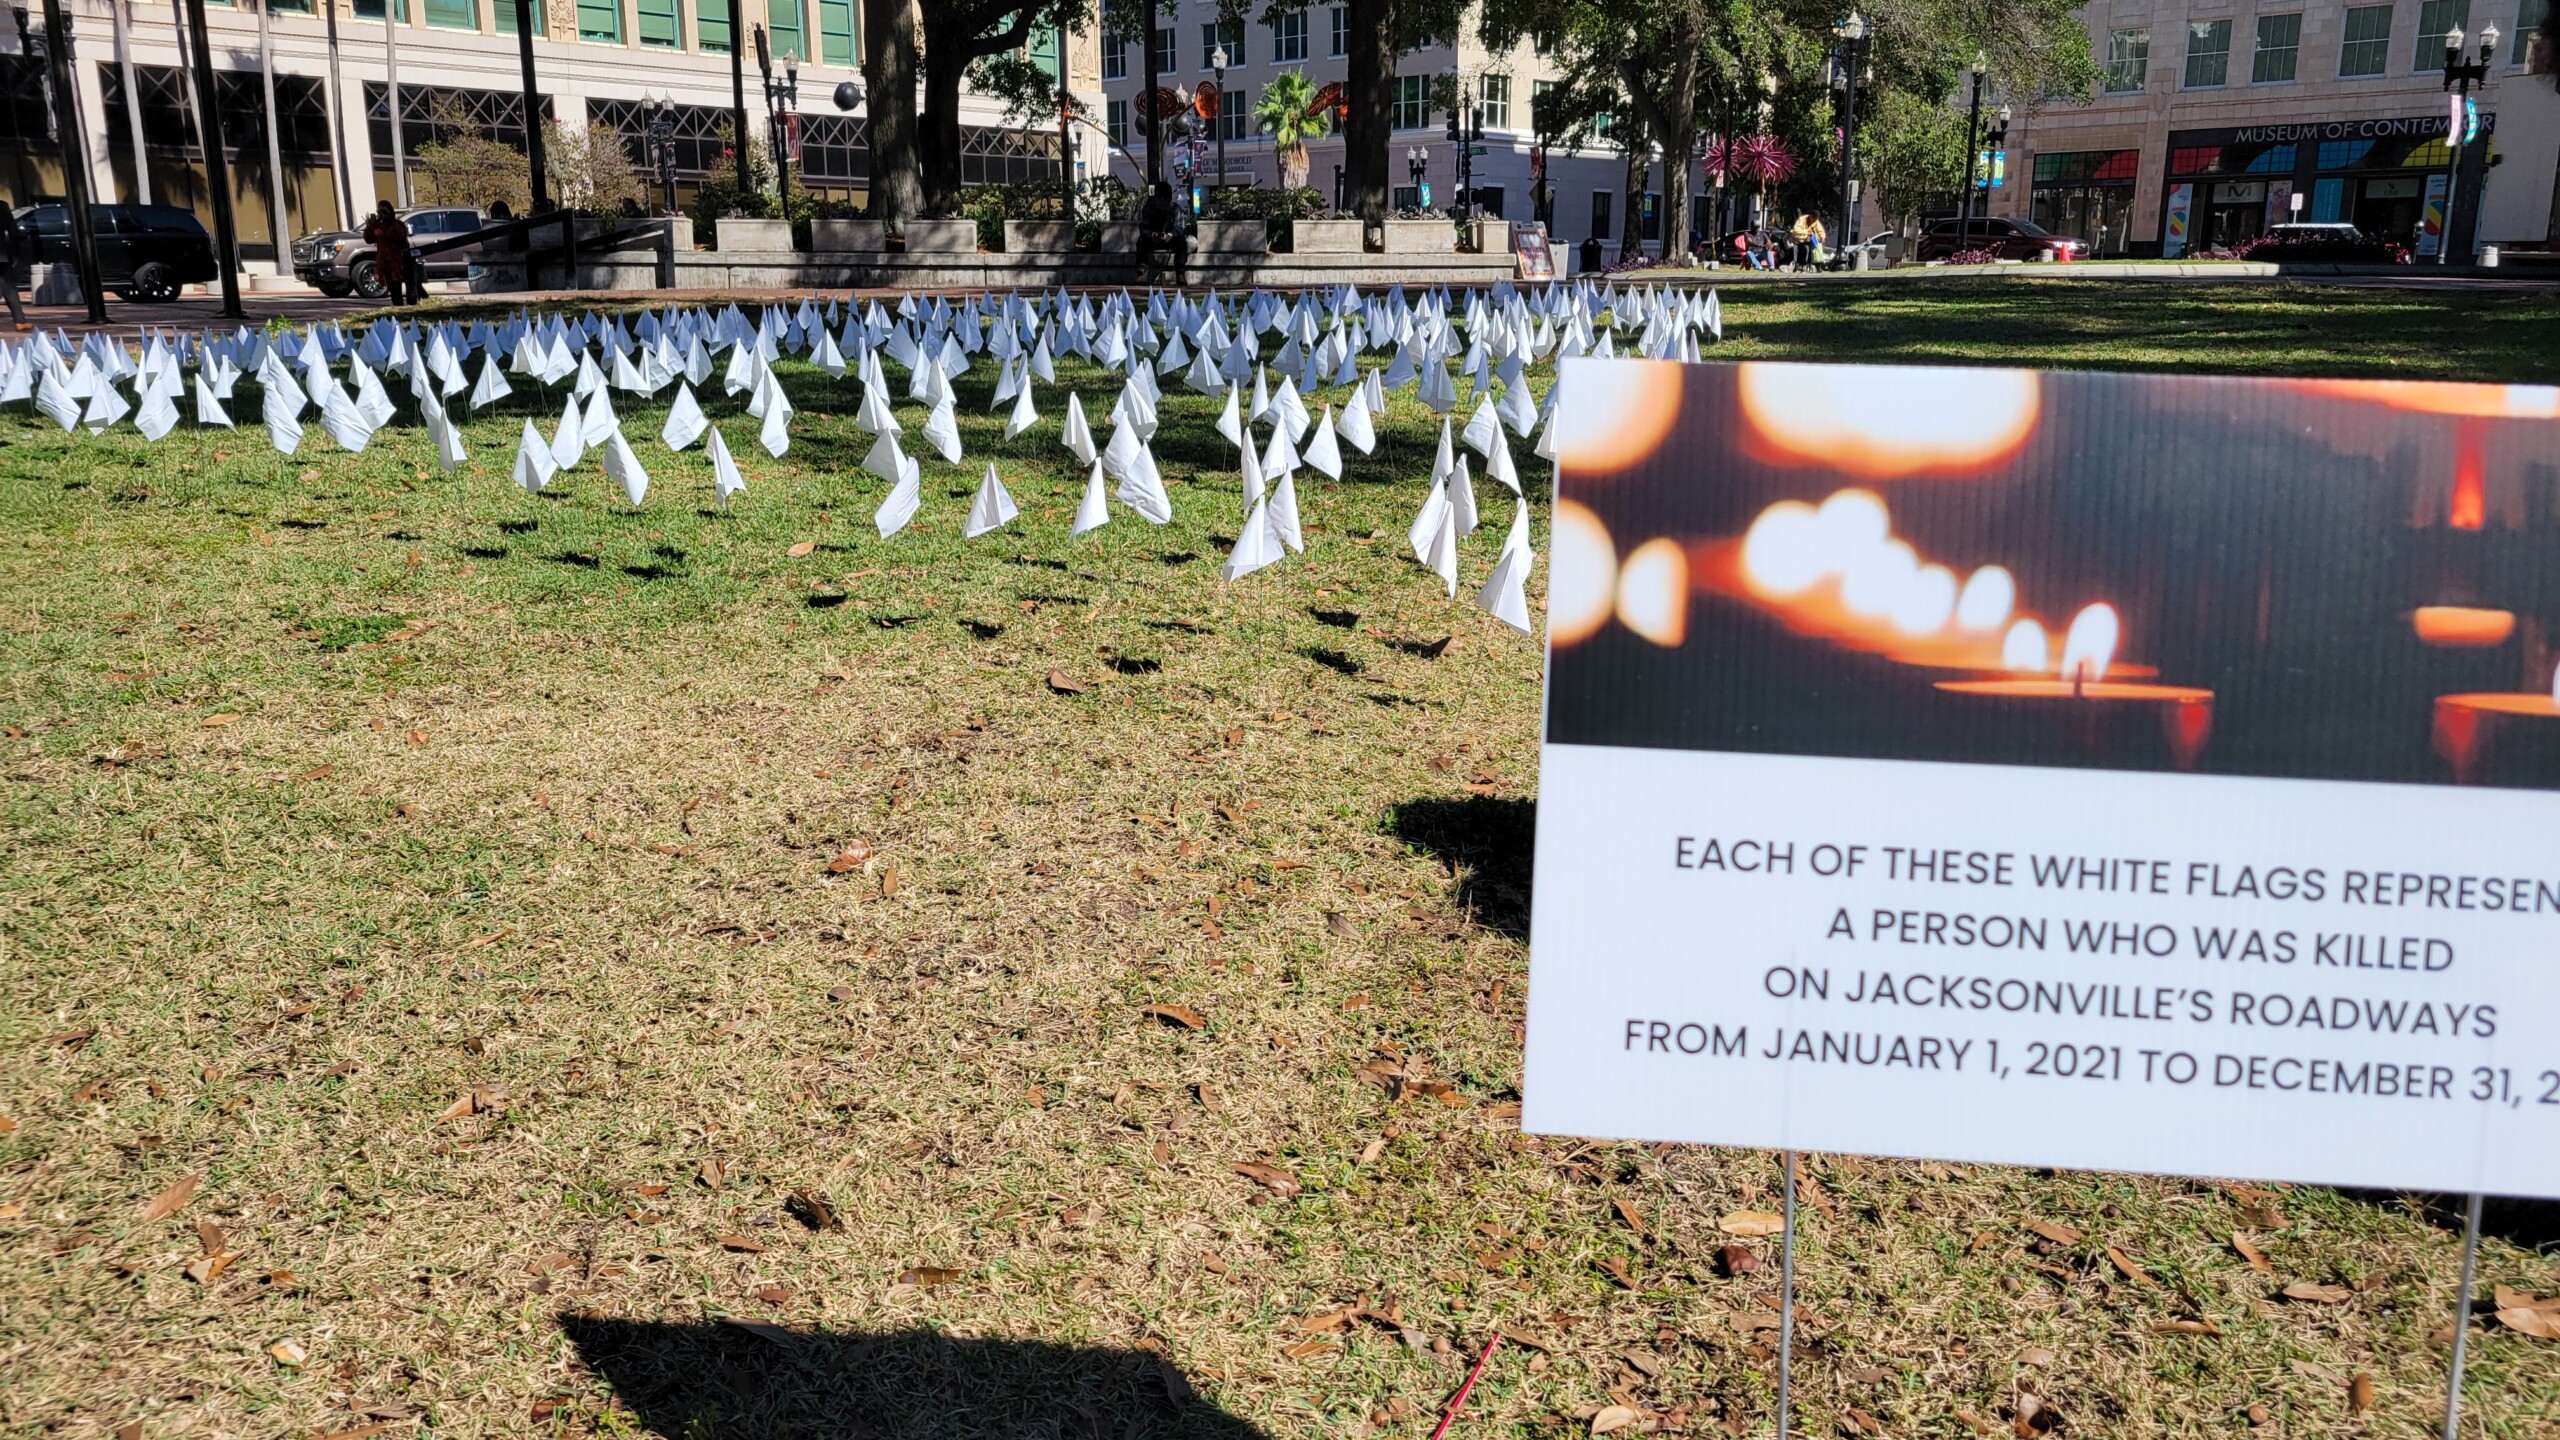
[340,263]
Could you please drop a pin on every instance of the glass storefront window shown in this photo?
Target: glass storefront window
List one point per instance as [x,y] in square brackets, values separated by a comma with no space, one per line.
[2099,214]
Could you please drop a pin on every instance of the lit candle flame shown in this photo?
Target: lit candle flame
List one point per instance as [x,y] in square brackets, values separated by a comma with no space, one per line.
[1989,594]
[2025,649]
[2090,644]
[1653,592]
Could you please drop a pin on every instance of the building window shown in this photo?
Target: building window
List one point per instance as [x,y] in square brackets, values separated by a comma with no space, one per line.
[2128,59]
[836,45]
[2529,17]
[504,13]
[1235,109]
[2366,48]
[445,14]
[1166,62]
[659,24]
[600,20]
[1412,109]
[2208,53]
[1115,120]
[2279,47]
[1288,37]
[1493,112]
[2435,17]
[1115,60]
[1227,33]
[1600,215]
[782,19]
[1342,30]
[1540,93]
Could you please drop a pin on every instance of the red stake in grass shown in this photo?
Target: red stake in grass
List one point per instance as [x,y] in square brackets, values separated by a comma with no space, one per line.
[1450,1414]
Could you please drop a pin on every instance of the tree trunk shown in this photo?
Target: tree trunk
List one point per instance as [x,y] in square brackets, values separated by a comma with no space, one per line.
[1293,166]
[1147,105]
[1631,233]
[1369,90]
[940,126]
[1670,111]
[889,74]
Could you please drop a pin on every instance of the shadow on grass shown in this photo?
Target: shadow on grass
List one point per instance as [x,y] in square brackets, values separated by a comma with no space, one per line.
[732,1380]
[1488,842]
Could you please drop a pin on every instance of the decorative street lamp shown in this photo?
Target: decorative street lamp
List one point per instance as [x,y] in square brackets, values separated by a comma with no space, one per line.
[662,145]
[1218,68]
[2459,76]
[1847,61]
[1417,165]
[781,98]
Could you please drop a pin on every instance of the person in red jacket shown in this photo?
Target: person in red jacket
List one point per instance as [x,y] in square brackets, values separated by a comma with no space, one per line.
[390,241]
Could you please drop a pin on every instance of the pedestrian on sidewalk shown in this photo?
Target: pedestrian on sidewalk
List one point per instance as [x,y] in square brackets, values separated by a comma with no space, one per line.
[390,241]
[12,240]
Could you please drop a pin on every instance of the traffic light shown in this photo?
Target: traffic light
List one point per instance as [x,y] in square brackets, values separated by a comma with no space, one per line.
[1453,125]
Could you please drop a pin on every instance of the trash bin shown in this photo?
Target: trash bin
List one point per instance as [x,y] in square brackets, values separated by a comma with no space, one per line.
[1589,261]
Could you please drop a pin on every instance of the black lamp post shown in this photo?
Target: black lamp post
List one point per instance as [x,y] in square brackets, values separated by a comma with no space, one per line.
[780,97]
[1848,61]
[1218,68]
[55,50]
[2459,76]
[1972,137]
[662,146]
[1417,165]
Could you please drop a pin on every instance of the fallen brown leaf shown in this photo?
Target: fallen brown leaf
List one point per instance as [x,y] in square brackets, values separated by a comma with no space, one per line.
[289,1352]
[1616,1269]
[204,1268]
[2185,1327]
[1182,1015]
[2058,1234]
[925,1277]
[2256,1257]
[812,1211]
[2124,1264]
[802,548]
[1063,683]
[773,1295]
[318,772]
[1752,1224]
[1737,1261]
[1627,1212]
[743,1243]
[713,1173]
[169,1201]
[1279,1182]
[2318,1294]
[1613,1418]
[1340,924]
[1324,1320]
[2360,1393]
[212,722]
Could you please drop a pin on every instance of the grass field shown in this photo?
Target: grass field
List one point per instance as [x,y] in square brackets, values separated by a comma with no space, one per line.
[687,973]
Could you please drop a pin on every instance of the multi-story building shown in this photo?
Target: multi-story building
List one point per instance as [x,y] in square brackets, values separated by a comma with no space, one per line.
[601,61]
[1585,199]
[2217,118]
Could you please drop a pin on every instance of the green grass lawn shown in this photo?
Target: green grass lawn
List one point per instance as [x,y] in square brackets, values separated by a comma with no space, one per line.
[510,906]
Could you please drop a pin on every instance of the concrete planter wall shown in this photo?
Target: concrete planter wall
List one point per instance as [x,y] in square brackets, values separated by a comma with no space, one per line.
[1328,237]
[1119,237]
[740,233]
[942,237]
[1420,237]
[1039,237]
[1231,237]
[839,236]
[1493,237]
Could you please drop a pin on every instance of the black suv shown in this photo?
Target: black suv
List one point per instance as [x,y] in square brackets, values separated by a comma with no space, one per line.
[145,252]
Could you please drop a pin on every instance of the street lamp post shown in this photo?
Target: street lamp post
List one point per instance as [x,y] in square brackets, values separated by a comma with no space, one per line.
[662,146]
[1852,34]
[2459,76]
[1417,166]
[780,97]
[1218,68]
[75,149]
[1972,135]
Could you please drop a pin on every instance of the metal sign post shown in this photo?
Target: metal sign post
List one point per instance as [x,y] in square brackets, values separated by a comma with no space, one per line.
[1787,1297]
[2462,1316]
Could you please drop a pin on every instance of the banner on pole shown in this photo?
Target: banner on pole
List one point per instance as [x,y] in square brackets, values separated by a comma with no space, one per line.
[2118,772]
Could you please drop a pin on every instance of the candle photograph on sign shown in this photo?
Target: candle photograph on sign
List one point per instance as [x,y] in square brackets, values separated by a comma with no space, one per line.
[2115,771]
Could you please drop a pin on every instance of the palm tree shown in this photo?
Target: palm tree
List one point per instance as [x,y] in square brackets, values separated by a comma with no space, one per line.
[1288,112]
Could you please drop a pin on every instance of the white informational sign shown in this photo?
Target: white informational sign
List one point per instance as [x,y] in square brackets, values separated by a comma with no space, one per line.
[2094,771]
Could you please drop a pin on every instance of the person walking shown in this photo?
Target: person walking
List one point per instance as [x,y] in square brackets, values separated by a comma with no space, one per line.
[12,240]
[390,241]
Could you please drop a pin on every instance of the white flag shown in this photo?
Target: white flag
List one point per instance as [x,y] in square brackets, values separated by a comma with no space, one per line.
[1505,595]
[685,422]
[992,509]
[623,468]
[1094,512]
[534,465]
[724,470]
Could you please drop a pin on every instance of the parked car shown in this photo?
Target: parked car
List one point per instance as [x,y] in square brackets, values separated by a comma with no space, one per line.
[145,252]
[2008,239]
[2323,242]
[341,263]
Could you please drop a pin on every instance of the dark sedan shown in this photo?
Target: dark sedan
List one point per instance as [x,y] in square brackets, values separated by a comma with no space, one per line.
[2005,239]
